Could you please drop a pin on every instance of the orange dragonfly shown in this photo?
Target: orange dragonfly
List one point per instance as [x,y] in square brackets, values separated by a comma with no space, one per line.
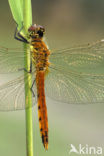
[73,75]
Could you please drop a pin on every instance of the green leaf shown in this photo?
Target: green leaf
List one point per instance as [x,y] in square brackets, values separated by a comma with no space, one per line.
[17,11]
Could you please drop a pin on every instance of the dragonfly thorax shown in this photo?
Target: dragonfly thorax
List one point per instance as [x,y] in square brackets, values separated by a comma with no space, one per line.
[40,55]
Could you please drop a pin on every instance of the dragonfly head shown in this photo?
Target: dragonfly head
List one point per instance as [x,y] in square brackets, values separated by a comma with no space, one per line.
[36,31]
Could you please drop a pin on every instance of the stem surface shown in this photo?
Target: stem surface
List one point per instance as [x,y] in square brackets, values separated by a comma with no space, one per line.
[27,16]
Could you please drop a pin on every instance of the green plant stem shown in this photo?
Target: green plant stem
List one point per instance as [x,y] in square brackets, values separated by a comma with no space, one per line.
[28,110]
[28,81]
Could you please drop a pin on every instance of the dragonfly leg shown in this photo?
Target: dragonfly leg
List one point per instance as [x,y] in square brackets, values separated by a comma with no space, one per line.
[32,88]
[18,36]
[30,71]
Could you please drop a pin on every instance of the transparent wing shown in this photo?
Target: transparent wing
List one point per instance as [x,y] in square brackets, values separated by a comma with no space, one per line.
[12,95]
[76,75]
[11,60]
[86,59]
[74,88]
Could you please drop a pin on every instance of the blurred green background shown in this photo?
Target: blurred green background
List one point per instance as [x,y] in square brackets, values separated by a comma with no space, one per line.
[67,23]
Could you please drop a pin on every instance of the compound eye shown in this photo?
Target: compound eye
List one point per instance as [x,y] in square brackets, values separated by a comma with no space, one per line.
[40,33]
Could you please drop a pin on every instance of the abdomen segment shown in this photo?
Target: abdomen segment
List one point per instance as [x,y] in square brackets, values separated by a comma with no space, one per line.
[42,108]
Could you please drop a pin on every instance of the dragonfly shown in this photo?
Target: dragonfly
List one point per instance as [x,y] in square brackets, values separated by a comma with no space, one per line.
[70,75]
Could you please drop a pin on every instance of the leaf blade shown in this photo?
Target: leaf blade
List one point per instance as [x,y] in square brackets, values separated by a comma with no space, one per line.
[17,11]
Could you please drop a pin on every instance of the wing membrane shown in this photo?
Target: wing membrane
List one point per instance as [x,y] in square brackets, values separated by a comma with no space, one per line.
[86,59]
[74,88]
[12,95]
[77,74]
[11,60]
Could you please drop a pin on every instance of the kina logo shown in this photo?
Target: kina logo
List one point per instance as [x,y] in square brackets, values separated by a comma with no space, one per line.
[86,150]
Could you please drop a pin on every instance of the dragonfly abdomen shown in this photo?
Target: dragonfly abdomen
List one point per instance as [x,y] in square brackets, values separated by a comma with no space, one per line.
[42,108]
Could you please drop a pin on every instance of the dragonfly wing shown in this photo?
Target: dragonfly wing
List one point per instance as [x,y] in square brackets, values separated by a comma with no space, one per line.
[12,95]
[74,88]
[11,59]
[76,76]
[87,59]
